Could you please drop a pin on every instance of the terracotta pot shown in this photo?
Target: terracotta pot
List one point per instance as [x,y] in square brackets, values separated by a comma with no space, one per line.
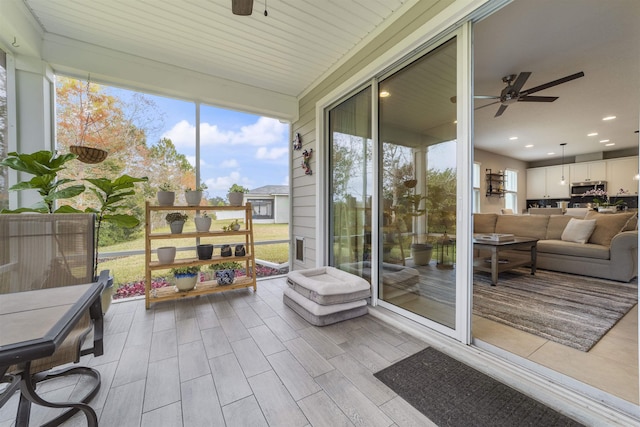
[203,224]
[166,198]
[235,199]
[176,227]
[193,198]
[166,254]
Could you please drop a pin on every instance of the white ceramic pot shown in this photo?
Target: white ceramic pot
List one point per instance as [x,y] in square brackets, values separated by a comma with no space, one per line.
[203,224]
[186,282]
[193,198]
[166,198]
[166,254]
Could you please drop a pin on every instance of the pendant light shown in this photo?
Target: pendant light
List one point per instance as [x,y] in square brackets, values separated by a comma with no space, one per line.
[562,181]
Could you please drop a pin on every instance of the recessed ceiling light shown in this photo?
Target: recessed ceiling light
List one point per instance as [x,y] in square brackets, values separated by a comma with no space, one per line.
[602,141]
[592,134]
[384,94]
[610,144]
[609,118]
[551,153]
[513,138]
[528,146]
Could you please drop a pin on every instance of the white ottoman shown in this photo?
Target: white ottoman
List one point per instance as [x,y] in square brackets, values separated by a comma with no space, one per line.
[328,285]
[321,315]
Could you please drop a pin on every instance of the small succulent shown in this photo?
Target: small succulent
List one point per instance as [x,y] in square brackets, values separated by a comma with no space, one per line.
[165,187]
[235,188]
[231,227]
[228,265]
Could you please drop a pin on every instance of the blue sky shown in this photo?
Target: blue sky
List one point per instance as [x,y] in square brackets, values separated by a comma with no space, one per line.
[235,147]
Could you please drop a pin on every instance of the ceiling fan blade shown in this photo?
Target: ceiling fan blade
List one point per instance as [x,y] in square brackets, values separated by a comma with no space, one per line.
[453,99]
[486,105]
[500,110]
[537,98]
[242,7]
[553,83]
[520,81]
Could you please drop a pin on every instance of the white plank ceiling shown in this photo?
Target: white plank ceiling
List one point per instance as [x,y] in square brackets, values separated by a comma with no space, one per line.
[285,51]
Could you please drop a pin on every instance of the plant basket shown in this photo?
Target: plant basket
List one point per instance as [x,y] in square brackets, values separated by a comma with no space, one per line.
[88,154]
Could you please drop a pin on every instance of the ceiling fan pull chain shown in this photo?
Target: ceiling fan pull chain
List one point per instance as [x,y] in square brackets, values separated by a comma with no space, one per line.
[265,8]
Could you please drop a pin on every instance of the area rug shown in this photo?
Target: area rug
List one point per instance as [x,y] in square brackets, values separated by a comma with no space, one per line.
[572,310]
[451,393]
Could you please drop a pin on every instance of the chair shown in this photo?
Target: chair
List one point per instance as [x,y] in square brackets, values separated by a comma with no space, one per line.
[43,251]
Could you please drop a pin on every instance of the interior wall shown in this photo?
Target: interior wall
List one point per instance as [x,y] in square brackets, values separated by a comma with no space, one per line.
[304,187]
[496,162]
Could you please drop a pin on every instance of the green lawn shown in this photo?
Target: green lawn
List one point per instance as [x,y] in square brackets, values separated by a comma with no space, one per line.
[131,268]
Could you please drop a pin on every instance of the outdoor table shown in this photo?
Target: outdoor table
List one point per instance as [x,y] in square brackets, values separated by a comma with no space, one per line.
[34,323]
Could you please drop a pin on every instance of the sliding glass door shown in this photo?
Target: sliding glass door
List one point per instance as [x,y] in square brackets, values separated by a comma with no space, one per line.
[417,133]
[351,184]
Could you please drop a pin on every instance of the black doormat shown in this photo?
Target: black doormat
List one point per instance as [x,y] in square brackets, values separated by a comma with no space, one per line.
[451,393]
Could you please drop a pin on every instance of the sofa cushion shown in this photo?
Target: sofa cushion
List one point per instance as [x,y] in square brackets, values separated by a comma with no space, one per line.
[534,226]
[632,223]
[556,226]
[484,223]
[582,250]
[578,230]
[607,226]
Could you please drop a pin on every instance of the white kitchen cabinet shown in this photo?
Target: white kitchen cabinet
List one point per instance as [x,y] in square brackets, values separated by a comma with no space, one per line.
[621,174]
[588,171]
[544,183]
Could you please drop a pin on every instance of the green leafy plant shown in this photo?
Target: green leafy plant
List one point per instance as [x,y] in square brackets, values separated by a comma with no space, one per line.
[201,187]
[235,188]
[227,265]
[185,271]
[44,165]
[165,187]
[111,195]
[231,227]
[176,216]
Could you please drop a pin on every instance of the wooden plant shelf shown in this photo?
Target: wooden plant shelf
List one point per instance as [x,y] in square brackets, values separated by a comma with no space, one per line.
[207,287]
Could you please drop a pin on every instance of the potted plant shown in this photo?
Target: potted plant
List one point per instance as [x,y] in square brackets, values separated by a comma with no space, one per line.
[236,194]
[185,277]
[194,197]
[233,226]
[203,222]
[44,166]
[176,221]
[166,195]
[225,272]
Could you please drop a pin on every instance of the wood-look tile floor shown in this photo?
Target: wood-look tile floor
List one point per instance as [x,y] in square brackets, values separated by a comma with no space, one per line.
[238,358]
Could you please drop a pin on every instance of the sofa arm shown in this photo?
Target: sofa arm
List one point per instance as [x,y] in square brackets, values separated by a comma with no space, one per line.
[624,241]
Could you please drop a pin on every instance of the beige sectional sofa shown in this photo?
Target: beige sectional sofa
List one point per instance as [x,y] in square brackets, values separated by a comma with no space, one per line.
[611,251]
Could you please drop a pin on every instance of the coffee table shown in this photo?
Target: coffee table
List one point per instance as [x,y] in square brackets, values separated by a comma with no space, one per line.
[497,264]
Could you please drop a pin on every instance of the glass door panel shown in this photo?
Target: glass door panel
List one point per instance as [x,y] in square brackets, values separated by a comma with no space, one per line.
[417,128]
[351,184]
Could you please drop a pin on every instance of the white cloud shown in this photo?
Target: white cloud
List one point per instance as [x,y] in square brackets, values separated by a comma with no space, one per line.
[265,131]
[271,154]
[220,185]
[229,163]
[182,134]
[191,160]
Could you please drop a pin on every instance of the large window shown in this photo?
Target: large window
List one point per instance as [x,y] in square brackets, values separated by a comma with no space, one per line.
[476,187]
[262,208]
[511,190]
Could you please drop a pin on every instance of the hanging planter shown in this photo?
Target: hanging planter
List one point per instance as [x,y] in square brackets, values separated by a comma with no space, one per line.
[88,154]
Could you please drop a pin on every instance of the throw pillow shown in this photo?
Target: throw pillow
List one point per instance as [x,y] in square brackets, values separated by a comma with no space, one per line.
[607,226]
[557,224]
[578,230]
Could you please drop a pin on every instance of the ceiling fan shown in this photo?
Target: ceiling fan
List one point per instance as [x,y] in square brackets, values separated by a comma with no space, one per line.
[511,93]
